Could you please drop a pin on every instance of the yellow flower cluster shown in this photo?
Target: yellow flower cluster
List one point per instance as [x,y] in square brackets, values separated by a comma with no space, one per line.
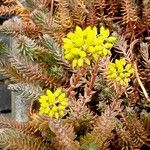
[53,104]
[82,46]
[120,71]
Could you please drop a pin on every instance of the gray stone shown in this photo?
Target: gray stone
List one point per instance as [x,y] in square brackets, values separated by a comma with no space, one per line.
[5,98]
[19,108]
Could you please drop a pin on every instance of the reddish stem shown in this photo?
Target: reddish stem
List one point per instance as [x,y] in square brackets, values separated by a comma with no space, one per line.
[76,80]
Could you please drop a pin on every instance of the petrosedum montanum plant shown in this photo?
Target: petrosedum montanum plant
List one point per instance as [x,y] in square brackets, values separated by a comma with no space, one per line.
[53,104]
[82,69]
[83,46]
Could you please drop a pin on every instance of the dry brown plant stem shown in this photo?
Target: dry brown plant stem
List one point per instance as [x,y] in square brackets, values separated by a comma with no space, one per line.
[90,84]
[51,11]
[140,83]
[75,80]
[93,78]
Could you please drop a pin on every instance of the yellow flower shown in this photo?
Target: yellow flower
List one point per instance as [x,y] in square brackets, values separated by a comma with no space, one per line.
[83,46]
[120,71]
[53,104]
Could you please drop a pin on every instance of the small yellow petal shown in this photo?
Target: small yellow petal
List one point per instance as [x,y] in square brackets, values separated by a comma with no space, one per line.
[61,97]
[122,61]
[131,70]
[61,113]
[95,57]
[95,31]
[104,32]
[99,48]
[90,40]
[122,82]
[43,99]
[56,115]
[118,79]
[128,67]
[100,53]
[75,51]
[74,63]
[65,99]
[99,40]
[80,62]
[46,110]
[111,39]
[61,107]
[86,31]
[120,68]
[51,113]
[51,97]
[78,30]
[54,109]
[79,42]
[68,46]
[82,54]
[49,93]
[91,49]
[108,45]
[127,74]
[44,105]
[112,65]
[69,56]
[64,103]
[87,61]
[66,40]
[57,92]
[107,33]
[122,75]
[105,52]
[102,29]
[112,76]
[70,35]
